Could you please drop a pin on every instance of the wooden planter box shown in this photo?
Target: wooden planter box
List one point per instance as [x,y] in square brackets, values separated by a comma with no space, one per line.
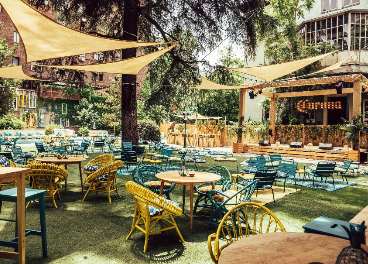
[237,147]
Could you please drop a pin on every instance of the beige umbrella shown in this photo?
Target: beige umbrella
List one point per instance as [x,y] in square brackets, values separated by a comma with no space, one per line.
[44,38]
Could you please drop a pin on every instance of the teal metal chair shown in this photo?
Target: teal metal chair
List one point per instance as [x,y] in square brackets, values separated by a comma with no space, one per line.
[231,195]
[323,169]
[344,169]
[265,180]
[145,176]
[10,195]
[253,166]
[204,189]
[130,163]
[286,170]
[10,143]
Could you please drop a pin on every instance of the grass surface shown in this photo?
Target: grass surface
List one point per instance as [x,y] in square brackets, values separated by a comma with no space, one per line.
[94,231]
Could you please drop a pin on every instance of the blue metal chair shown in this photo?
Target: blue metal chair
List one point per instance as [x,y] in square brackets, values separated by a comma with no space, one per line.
[324,169]
[204,189]
[286,170]
[265,180]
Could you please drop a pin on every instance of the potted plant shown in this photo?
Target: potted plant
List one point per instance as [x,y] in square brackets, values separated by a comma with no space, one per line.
[238,146]
[353,129]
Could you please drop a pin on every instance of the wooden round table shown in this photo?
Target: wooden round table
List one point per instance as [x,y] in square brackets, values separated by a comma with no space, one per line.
[285,247]
[200,177]
[70,160]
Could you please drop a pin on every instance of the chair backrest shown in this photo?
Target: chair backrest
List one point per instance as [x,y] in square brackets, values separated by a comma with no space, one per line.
[256,164]
[129,156]
[102,160]
[347,163]
[146,173]
[17,151]
[145,197]
[139,150]
[221,170]
[7,155]
[287,168]
[40,147]
[265,177]
[43,175]
[167,152]
[241,221]
[84,145]
[325,168]
[127,145]
[275,157]
[109,170]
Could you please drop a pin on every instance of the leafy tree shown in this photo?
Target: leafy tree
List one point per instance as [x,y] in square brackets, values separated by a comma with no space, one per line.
[209,21]
[9,121]
[85,114]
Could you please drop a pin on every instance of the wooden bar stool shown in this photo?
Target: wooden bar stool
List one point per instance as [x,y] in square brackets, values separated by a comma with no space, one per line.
[10,195]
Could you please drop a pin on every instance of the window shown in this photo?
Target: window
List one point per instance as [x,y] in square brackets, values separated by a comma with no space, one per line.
[100,76]
[82,57]
[329,5]
[16,37]
[22,101]
[32,98]
[359,31]
[16,61]
[67,123]
[64,108]
[15,104]
[98,56]
[346,3]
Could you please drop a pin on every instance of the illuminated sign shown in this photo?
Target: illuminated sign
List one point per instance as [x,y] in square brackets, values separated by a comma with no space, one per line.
[305,105]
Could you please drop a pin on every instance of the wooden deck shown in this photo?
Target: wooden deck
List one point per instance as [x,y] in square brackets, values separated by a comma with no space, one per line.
[334,155]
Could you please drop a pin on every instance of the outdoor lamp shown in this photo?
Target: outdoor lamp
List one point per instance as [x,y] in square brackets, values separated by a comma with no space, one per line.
[260,91]
[338,87]
[252,94]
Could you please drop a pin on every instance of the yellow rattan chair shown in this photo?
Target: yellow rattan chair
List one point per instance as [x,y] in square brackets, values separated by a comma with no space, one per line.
[104,179]
[150,209]
[240,222]
[97,163]
[10,183]
[47,177]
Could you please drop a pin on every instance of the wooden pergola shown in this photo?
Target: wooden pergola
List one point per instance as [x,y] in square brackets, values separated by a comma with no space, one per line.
[358,81]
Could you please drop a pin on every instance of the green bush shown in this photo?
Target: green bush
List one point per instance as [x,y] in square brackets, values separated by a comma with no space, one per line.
[9,121]
[148,130]
[49,129]
[84,131]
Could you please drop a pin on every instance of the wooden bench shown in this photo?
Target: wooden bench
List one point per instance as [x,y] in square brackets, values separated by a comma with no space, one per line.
[360,217]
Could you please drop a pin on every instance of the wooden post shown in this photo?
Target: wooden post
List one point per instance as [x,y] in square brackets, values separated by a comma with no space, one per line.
[273,119]
[242,94]
[325,113]
[357,98]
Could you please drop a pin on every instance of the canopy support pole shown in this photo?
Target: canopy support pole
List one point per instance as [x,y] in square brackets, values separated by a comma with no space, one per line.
[242,94]
[272,130]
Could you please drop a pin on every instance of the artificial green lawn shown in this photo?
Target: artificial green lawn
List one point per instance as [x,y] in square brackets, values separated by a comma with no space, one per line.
[94,231]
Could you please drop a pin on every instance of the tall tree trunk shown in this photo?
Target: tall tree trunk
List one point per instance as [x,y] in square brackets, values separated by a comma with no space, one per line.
[129,127]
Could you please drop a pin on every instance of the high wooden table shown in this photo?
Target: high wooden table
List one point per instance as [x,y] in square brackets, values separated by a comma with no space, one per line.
[200,177]
[285,247]
[19,174]
[70,160]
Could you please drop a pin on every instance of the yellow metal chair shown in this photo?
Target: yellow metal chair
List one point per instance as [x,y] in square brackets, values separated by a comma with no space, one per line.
[150,209]
[240,222]
[98,162]
[104,179]
[47,177]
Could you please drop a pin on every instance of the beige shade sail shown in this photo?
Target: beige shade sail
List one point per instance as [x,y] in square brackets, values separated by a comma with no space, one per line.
[128,66]
[14,72]
[44,38]
[274,71]
[199,116]
[332,67]
[208,85]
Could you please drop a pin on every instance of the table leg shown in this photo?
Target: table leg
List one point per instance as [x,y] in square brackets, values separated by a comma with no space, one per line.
[66,179]
[21,211]
[80,173]
[183,197]
[162,187]
[191,207]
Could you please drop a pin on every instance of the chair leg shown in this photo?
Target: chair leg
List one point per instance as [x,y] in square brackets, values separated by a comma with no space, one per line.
[43,224]
[177,229]
[273,195]
[133,225]
[86,193]
[146,234]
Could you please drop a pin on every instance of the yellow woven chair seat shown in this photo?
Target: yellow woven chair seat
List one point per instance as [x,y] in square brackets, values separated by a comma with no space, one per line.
[157,184]
[98,162]
[208,188]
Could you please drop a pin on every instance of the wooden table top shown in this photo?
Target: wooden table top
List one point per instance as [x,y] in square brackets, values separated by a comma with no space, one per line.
[285,247]
[6,173]
[55,160]
[199,177]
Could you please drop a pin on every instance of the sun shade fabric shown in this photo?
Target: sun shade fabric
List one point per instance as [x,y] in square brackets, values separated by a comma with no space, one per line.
[274,71]
[44,38]
[198,116]
[128,66]
[206,84]
[332,67]
[14,72]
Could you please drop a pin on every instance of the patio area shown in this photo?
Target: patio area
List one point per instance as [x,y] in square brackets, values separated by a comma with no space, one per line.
[95,231]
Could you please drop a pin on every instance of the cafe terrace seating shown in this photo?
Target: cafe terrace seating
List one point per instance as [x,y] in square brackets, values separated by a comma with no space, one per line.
[231,195]
[47,177]
[150,210]
[204,189]
[239,222]
[98,162]
[104,180]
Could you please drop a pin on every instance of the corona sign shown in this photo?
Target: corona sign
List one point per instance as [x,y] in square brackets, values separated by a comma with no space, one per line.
[305,105]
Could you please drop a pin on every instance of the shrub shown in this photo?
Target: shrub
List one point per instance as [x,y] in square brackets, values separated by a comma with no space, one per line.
[49,129]
[84,131]
[9,121]
[148,130]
